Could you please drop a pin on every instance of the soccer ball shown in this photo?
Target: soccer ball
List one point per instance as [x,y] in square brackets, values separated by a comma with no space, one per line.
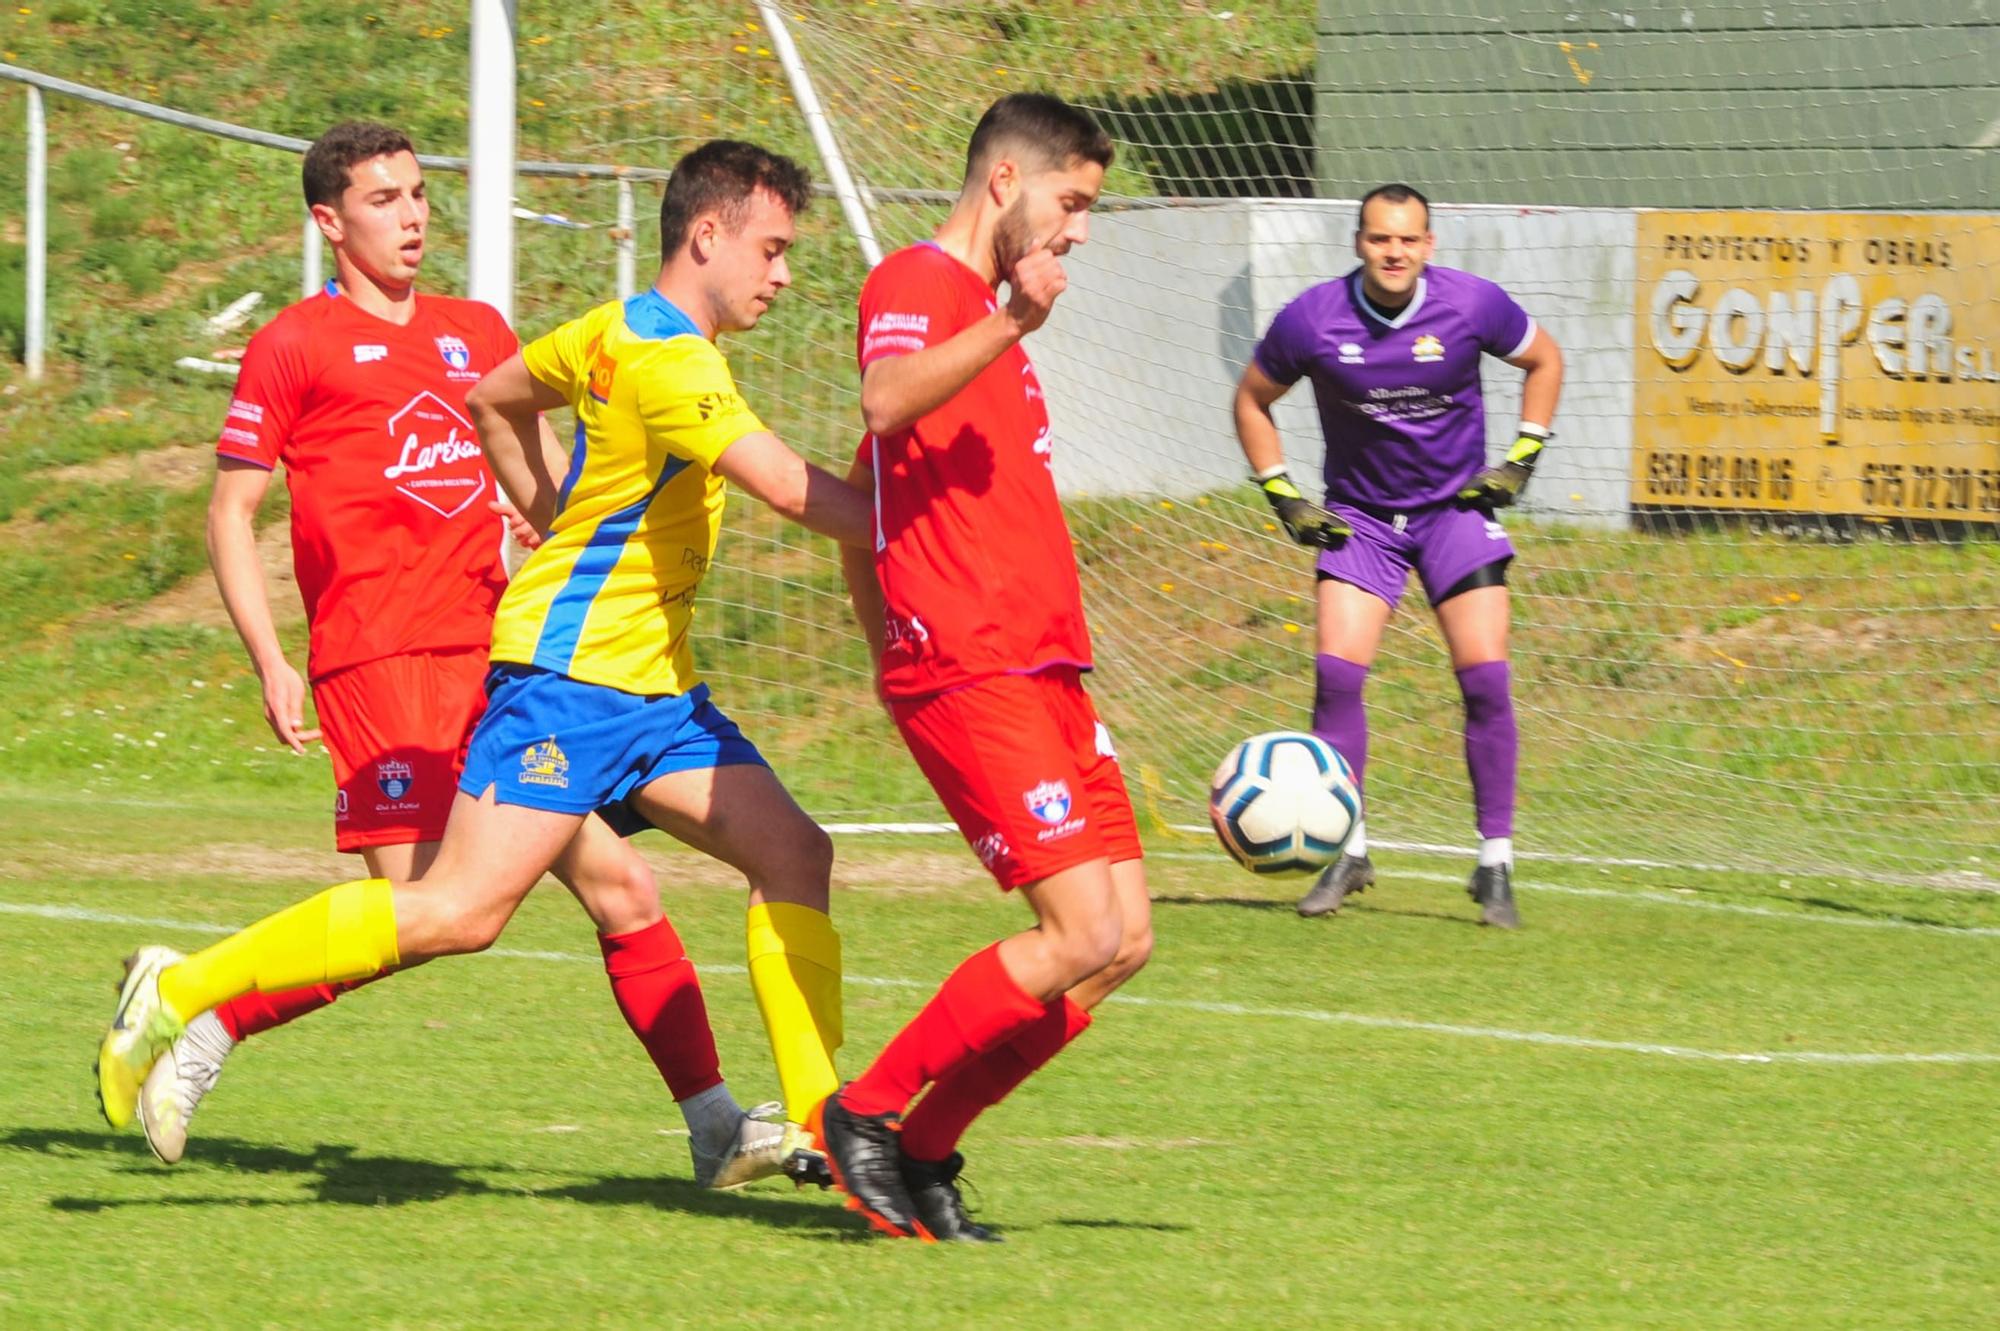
[1284,802]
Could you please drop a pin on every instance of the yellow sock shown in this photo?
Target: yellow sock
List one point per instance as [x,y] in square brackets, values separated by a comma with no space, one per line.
[795,971]
[344,933]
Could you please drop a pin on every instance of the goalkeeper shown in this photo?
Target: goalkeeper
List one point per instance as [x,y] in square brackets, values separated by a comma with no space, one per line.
[1393,351]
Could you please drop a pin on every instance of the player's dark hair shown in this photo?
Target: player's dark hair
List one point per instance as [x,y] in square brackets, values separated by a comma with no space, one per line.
[336,152]
[722,175]
[1058,134]
[1393,194]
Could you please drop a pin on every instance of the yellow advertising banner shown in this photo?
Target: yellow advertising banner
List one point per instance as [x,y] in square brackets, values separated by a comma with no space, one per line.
[1841,363]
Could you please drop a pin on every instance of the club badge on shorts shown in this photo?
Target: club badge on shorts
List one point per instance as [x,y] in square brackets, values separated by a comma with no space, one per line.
[1049,801]
[543,764]
[394,778]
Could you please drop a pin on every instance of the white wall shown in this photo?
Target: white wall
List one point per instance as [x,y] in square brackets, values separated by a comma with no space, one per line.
[1165,305]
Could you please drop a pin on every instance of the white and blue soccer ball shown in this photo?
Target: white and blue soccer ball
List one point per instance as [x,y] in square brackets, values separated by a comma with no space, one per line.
[1284,802]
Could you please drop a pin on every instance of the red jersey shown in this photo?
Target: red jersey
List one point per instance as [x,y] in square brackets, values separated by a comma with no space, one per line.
[971,548]
[394,546]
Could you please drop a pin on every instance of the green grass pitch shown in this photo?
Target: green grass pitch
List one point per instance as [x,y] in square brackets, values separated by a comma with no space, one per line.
[1392,1118]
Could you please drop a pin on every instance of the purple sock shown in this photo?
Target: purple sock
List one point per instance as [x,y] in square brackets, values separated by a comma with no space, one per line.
[1491,745]
[1338,716]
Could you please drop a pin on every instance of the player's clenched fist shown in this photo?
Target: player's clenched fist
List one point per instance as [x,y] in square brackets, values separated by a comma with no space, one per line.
[1034,283]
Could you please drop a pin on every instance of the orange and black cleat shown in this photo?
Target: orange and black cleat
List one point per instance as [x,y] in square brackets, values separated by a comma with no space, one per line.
[865,1154]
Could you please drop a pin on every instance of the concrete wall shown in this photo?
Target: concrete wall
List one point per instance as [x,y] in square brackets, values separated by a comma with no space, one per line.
[1165,305]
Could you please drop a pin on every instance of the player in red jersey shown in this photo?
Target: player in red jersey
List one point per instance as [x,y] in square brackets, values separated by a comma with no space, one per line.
[359,392]
[975,616]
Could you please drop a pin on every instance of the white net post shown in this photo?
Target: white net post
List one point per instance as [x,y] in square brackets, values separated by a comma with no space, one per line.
[36,331]
[490,145]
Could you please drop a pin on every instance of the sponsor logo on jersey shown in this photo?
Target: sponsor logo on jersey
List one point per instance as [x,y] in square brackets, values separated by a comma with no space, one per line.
[991,849]
[1033,388]
[1494,531]
[394,778]
[367,353]
[900,333]
[715,404]
[247,438]
[437,456]
[1045,447]
[1427,348]
[246,411]
[456,354]
[1350,353]
[1048,801]
[1104,749]
[543,764]
[906,633]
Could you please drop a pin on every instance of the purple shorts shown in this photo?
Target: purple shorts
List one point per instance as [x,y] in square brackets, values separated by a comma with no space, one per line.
[1445,543]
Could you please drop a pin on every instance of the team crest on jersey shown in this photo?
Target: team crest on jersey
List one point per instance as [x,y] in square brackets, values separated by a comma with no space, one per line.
[456,354]
[543,764]
[1427,348]
[1049,801]
[437,456]
[394,778]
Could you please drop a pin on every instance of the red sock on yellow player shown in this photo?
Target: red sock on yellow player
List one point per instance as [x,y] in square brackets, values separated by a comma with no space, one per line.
[660,996]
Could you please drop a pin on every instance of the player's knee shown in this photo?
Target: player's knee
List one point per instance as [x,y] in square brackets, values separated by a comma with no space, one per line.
[625,896]
[477,926]
[1135,949]
[1084,950]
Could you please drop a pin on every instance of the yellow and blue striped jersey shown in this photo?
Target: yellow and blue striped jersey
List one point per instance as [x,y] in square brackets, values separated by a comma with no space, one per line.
[607,597]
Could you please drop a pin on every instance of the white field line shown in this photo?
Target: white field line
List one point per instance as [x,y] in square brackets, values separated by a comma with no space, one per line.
[1545,1038]
[1964,881]
[1959,881]
[1646,898]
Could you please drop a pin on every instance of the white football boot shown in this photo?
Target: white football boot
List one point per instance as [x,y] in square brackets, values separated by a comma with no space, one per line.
[176,1086]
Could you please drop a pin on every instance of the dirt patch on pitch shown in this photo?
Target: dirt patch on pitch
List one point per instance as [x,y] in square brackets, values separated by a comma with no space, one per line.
[197,602]
[175,467]
[240,862]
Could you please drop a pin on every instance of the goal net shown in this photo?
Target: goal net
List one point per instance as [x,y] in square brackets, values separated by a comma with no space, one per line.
[1757,603]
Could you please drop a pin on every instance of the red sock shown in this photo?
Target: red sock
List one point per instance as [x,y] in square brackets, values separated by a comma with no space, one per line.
[251,1013]
[978,1006]
[660,995]
[932,1130]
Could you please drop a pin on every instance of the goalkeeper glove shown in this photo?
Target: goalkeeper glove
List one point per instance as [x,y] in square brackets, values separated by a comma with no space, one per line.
[1497,487]
[1306,522]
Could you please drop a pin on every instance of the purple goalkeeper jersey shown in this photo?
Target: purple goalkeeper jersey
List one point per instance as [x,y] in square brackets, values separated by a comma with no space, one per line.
[1399,399]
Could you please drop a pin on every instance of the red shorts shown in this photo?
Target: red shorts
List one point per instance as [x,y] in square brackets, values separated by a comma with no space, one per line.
[397,730]
[1027,772]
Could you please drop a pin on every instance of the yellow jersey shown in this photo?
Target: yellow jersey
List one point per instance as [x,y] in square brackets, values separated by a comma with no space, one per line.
[608,596]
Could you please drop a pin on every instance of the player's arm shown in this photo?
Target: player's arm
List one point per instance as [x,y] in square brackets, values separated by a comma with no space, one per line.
[813,497]
[1501,485]
[506,409]
[898,390]
[239,575]
[857,567]
[1257,433]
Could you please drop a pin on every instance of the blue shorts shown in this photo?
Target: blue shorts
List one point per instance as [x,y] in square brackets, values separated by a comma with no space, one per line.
[551,742]
[1445,543]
